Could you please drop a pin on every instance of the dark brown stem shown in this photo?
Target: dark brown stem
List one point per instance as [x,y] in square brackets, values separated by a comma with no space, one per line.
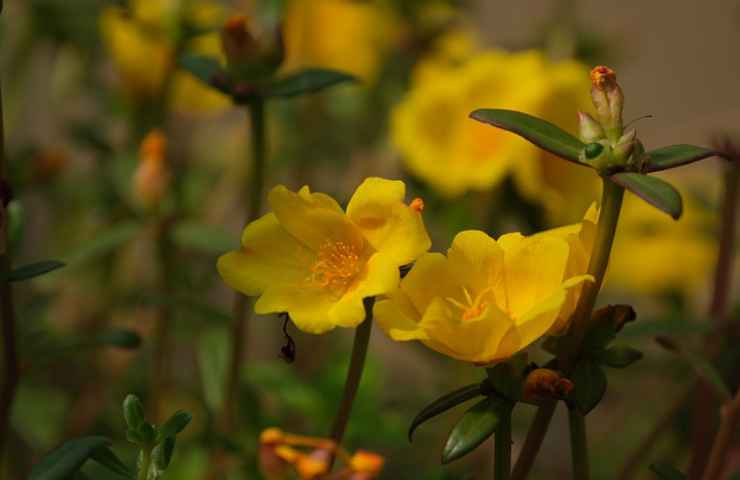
[702,422]
[533,442]
[11,370]
[730,414]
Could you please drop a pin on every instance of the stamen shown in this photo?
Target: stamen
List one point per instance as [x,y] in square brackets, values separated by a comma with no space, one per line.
[336,266]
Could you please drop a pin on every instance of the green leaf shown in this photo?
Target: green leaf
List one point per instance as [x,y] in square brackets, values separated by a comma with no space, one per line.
[443,404]
[589,381]
[307,81]
[540,132]
[174,425]
[205,238]
[162,453]
[67,459]
[653,190]
[475,426]
[620,357]
[675,156]
[133,412]
[204,68]
[119,337]
[109,460]
[667,472]
[33,270]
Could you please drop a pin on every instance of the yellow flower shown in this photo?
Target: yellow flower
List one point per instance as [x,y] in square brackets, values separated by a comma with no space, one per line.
[140,44]
[455,154]
[488,299]
[316,262]
[340,34]
[655,254]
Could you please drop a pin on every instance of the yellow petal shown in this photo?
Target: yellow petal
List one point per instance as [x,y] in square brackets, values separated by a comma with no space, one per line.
[429,278]
[534,268]
[381,276]
[269,256]
[475,259]
[308,307]
[398,318]
[378,209]
[312,219]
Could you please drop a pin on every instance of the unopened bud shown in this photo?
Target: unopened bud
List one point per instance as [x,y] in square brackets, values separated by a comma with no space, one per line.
[417,205]
[589,129]
[162,453]
[152,177]
[543,383]
[365,465]
[237,43]
[608,99]
[617,315]
[314,465]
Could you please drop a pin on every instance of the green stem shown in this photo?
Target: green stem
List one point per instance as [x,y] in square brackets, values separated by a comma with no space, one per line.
[240,308]
[578,445]
[145,465]
[502,448]
[533,442]
[11,367]
[354,375]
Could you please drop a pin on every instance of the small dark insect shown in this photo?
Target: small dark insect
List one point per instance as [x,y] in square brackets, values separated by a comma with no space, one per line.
[287,351]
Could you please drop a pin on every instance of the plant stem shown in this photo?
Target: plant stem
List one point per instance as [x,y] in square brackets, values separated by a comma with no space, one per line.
[578,445]
[241,303]
[354,374]
[533,442]
[11,368]
[502,448]
[730,413]
[146,461]
[702,421]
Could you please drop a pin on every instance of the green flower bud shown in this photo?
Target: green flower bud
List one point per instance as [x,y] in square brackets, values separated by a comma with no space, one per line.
[133,412]
[593,150]
[162,453]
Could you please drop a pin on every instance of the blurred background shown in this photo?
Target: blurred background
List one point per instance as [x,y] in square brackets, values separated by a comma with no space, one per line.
[140,217]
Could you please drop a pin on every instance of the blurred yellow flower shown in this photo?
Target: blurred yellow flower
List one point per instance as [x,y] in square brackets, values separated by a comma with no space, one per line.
[455,154]
[140,41]
[655,254]
[344,35]
[487,299]
[316,262]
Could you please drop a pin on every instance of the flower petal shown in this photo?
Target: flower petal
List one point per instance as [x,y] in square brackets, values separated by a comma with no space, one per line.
[475,259]
[308,308]
[430,277]
[269,256]
[398,318]
[378,209]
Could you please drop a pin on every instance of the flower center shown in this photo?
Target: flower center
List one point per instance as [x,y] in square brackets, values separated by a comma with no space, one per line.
[336,265]
[473,307]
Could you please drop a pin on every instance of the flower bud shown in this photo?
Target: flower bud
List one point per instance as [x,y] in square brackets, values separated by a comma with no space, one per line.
[608,99]
[237,43]
[152,176]
[162,453]
[274,458]
[314,465]
[589,129]
[543,383]
[365,465]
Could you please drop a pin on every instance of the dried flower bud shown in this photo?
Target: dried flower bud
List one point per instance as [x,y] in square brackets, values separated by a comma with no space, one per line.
[365,465]
[589,129]
[608,99]
[314,465]
[237,43]
[543,383]
[152,177]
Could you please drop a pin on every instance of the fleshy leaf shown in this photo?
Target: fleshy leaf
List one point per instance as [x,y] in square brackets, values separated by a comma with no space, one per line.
[589,382]
[204,68]
[540,132]
[443,404]
[666,472]
[174,425]
[306,81]
[620,357]
[105,457]
[67,459]
[33,270]
[657,192]
[476,425]
[675,156]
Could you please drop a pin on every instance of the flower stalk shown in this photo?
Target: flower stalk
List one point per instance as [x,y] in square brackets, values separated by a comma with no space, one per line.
[533,442]
[241,303]
[11,367]
[730,413]
[354,374]
[578,445]
[502,448]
